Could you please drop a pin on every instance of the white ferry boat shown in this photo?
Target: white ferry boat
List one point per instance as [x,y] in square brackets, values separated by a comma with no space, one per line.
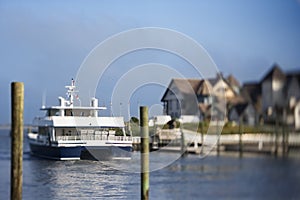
[69,132]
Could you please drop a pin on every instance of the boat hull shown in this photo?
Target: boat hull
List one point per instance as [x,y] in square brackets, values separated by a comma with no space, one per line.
[106,152]
[56,153]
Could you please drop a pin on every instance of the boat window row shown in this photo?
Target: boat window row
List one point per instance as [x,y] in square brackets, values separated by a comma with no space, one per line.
[70,112]
[72,133]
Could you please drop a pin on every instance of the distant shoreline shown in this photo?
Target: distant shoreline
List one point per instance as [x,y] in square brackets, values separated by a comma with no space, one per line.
[8,126]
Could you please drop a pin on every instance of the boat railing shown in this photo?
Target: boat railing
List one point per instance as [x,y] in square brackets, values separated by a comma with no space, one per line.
[65,138]
[94,137]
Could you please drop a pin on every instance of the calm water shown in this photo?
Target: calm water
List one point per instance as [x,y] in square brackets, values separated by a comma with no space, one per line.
[224,177]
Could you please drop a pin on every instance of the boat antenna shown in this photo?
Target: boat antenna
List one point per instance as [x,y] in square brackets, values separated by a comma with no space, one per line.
[71,93]
[120,109]
[111,112]
[44,98]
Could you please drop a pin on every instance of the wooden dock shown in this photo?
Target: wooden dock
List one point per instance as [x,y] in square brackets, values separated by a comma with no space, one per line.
[266,143]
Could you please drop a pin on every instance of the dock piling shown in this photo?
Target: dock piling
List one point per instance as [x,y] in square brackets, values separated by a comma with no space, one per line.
[276,136]
[182,142]
[240,136]
[218,139]
[17,108]
[202,138]
[144,129]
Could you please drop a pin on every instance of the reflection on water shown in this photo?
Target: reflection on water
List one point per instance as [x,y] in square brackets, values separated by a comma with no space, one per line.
[226,176]
[74,179]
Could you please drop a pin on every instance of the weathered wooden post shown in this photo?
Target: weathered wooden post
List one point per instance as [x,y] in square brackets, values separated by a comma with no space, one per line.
[240,136]
[284,134]
[144,129]
[276,136]
[287,140]
[218,140]
[202,138]
[182,143]
[284,146]
[17,108]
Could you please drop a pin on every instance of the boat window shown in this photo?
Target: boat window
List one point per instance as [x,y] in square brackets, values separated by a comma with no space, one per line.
[69,113]
[43,130]
[66,132]
[52,113]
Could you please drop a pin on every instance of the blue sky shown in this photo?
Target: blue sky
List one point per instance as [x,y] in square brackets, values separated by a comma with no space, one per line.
[43,43]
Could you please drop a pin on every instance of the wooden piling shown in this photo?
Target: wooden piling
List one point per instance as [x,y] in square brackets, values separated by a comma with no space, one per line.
[276,136]
[182,143]
[284,134]
[144,129]
[17,108]
[218,140]
[202,138]
[240,136]
[283,139]
[287,131]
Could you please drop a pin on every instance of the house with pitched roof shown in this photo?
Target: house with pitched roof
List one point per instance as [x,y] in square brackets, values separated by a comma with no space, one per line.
[244,112]
[251,93]
[292,94]
[205,98]
[276,96]
[180,98]
[272,86]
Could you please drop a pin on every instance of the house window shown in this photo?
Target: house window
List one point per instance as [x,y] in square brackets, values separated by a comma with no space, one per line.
[170,104]
[178,106]
[269,111]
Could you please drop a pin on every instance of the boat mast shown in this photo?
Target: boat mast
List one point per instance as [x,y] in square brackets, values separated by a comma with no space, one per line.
[71,93]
